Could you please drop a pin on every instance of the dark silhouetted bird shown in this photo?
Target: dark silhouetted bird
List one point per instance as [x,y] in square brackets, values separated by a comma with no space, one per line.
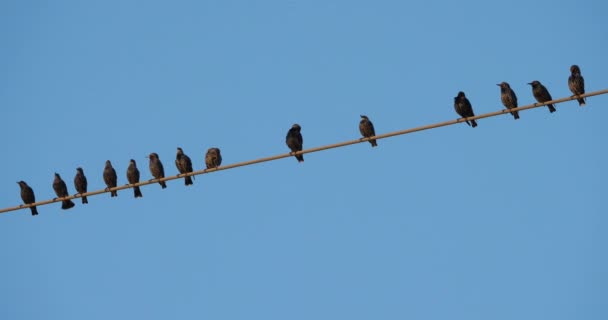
[156,168]
[366,127]
[576,83]
[184,165]
[508,97]
[80,183]
[213,158]
[294,141]
[27,195]
[541,94]
[110,178]
[133,177]
[61,190]
[464,109]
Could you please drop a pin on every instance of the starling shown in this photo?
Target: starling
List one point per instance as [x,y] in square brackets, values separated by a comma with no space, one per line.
[110,178]
[184,165]
[80,183]
[508,97]
[541,94]
[576,83]
[294,141]
[156,168]
[366,128]
[61,189]
[213,158]
[27,195]
[464,109]
[133,177]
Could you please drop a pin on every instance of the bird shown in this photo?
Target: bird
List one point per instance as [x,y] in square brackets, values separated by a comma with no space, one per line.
[508,97]
[184,165]
[464,109]
[61,189]
[133,177]
[110,178]
[541,94]
[156,168]
[213,158]
[576,83]
[294,141]
[27,195]
[366,127]
[80,183]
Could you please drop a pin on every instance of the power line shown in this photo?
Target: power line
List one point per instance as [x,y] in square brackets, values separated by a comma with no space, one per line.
[326,147]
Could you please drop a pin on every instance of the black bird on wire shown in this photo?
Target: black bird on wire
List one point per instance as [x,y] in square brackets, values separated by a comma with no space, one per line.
[61,190]
[464,109]
[508,97]
[133,177]
[576,83]
[80,183]
[213,158]
[184,165]
[294,141]
[366,127]
[156,168]
[541,94]
[110,178]
[27,195]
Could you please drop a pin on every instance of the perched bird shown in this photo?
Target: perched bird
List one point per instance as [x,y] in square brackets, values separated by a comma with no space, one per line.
[508,97]
[110,178]
[464,109]
[541,94]
[133,177]
[213,158]
[366,128]
[576,83]
[27,195]
[61,189]
[184,165]
[294,141]
[80,183]
[156,168]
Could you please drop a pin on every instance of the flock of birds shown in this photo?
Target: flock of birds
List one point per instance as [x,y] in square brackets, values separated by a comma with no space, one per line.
[294,141]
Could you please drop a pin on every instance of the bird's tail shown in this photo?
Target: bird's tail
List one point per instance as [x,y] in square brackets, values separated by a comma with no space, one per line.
[373,142]
[114,193]
[473,123]
[300,157]
[551,108]
[84,200]
[162,184]
[67,204]
[188,180]
[137,192]
[581,101]
[515,115]
[34,211]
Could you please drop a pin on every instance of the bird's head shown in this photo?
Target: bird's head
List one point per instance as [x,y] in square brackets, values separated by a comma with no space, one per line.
[575,69]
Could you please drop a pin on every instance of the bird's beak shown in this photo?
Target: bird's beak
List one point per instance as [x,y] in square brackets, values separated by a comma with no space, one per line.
[498,84]
[530,83]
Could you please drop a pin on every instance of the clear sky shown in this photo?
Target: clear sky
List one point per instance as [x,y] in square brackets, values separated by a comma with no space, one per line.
[504,221]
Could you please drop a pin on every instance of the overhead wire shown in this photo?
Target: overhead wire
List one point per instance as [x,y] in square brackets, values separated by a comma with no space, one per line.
[311,150]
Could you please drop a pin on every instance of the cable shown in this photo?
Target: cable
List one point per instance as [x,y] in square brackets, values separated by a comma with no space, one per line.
[330,146]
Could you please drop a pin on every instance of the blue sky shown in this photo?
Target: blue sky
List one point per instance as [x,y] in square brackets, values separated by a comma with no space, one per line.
[504,221]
